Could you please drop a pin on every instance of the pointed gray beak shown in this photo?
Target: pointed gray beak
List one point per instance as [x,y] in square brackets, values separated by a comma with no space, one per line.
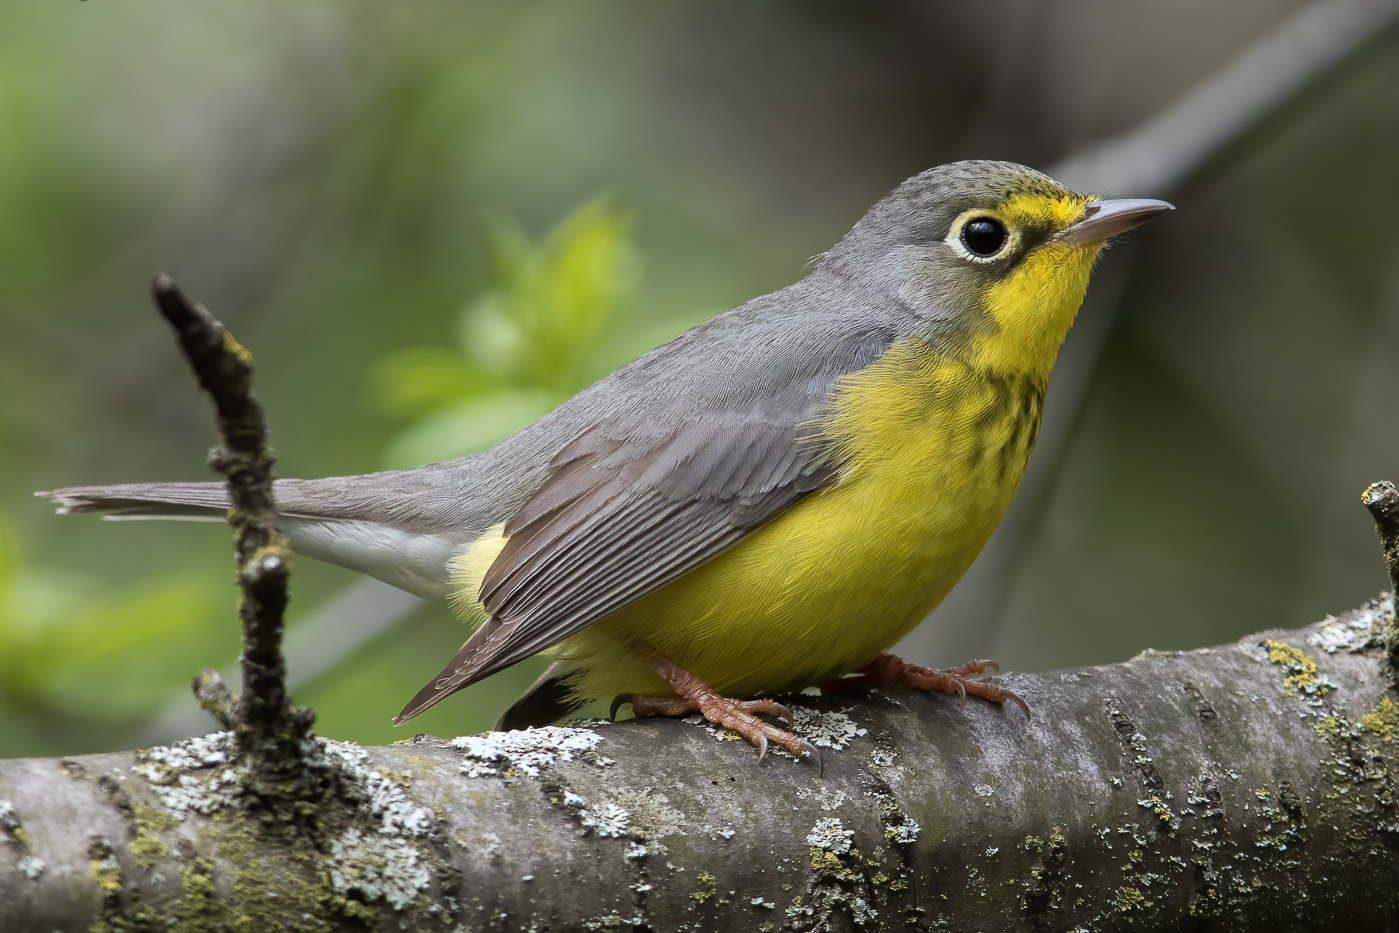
[1104,219]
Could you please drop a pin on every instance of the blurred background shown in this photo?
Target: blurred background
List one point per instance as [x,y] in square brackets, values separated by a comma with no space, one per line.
[430,222]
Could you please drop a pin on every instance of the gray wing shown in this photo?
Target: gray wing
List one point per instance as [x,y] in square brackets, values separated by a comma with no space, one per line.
[628,507]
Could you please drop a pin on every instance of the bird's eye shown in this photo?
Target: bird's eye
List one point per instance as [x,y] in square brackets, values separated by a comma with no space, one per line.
[983,236]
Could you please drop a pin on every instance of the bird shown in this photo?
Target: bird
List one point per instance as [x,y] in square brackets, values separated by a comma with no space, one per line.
[768,502]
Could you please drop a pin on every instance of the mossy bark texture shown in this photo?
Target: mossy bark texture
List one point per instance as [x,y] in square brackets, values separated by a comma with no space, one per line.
[1242,787]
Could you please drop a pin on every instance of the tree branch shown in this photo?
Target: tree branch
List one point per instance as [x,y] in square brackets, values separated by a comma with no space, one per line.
[1186,790]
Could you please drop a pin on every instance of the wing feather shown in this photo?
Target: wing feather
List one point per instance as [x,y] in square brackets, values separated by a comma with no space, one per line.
[625,511]
[677,457]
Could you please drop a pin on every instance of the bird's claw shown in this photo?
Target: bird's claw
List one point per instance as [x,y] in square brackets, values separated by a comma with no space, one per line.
[890,671]
[739,716]
[1015,698]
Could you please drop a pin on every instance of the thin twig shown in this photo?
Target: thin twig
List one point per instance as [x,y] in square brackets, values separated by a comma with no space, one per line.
[262,716]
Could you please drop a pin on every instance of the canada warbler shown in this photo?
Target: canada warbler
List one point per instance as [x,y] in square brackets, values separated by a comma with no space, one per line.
[769,501]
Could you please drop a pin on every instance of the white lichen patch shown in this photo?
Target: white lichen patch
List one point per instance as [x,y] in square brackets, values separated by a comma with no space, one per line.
[861,911]
[190,776]
[384,800]
[201,751]
[826,730]
[827,798]
[377,866]
[1254,651]
[906,833]
[606,820]
[376,860]
[1357,633]
[883,757]
[525,751]
[32,866]
[830,834]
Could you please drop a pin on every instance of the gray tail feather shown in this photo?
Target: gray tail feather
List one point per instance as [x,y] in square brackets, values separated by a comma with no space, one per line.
[360,533]
[144,500]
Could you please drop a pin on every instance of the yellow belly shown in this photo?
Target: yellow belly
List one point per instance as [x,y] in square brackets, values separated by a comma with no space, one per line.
[934,451]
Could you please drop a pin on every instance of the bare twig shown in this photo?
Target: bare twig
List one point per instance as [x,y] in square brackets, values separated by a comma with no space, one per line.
[262,718]
[214,696]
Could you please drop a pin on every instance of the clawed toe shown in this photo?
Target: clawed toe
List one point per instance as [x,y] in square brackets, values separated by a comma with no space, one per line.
[1015,698]
[740,716]
[890,671]
[766,707]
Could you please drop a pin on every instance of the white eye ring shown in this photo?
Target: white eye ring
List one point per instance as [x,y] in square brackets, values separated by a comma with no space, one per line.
[957,236]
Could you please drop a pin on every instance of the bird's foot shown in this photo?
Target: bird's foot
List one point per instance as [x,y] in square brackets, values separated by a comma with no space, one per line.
[693,695]
[740,716]
[890,671]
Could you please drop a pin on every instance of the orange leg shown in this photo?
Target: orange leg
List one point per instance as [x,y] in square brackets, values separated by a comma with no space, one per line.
[890,671]
[693,695]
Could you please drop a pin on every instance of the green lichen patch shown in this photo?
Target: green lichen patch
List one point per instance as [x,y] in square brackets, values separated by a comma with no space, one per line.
[1334,725]
[1129,898]
[10,824]
[105,871]
[147,848]
[1300,674]
[706,890]
[198,910]
[828,864]
[1382,720]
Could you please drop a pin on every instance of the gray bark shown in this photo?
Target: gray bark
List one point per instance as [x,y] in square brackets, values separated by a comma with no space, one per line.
[1241,787]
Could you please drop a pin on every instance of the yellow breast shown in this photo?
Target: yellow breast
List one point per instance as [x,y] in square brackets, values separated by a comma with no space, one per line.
[934,451]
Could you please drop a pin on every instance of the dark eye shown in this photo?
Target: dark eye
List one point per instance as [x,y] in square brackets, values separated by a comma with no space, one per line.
[984,236]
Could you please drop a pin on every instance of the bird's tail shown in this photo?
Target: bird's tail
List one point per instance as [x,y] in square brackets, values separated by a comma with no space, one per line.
[194,501]
[353,532]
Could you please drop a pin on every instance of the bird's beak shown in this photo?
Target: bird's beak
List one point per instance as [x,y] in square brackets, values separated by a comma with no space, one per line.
[1104,219]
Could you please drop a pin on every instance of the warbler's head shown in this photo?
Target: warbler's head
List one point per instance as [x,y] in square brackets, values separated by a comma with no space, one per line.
[990,259]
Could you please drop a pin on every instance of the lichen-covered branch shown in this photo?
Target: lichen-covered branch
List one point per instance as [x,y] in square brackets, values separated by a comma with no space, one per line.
[1248,786]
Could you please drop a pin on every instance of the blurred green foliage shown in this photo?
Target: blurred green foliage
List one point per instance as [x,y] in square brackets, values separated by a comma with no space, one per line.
[77,657]
[528,342]
[318,173]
